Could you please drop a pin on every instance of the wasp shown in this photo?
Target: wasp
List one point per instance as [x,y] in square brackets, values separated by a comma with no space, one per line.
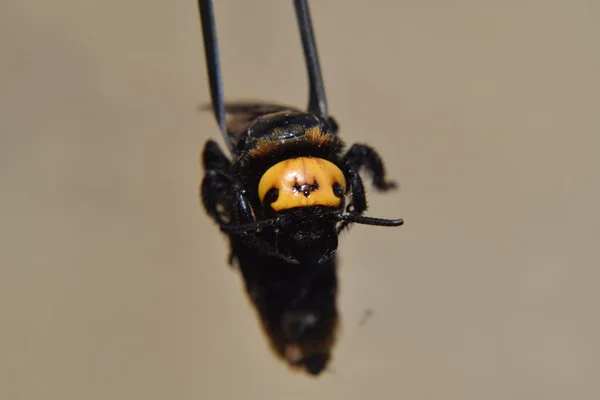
[283,194]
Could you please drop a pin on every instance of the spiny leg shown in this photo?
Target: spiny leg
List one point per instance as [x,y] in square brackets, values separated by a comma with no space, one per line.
[216,192]
[224,198]
[244,214]
[220,193]
[358,204]
[363,156]
[216,185]
[213,157]
[224,202]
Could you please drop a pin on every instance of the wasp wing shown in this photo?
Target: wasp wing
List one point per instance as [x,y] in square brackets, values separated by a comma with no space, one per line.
[240,115]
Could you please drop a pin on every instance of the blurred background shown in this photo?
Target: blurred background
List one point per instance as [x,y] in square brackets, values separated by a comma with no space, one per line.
[114,283]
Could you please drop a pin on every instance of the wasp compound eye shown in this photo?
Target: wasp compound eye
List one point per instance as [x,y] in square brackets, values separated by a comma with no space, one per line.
[338,190]
[271,196]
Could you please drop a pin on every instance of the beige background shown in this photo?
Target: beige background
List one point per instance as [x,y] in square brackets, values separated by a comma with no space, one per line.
[113,282]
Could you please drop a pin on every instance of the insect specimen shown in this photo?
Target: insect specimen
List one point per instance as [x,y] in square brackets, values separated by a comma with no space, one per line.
[282,196]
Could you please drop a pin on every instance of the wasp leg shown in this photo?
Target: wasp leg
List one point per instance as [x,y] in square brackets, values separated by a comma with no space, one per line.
[362,156]
[358,203]
[216,185]
[224,199]
[242,205]
[213,157]
[215,191]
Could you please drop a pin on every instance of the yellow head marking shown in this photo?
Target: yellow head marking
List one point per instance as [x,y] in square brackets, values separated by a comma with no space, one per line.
[302,182]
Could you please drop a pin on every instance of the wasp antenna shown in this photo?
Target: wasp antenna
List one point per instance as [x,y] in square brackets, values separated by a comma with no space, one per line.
[317,103]
[211,51]
[252,226]
[357,219]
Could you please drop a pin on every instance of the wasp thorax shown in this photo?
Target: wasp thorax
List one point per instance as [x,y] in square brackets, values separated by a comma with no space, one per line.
[302,182]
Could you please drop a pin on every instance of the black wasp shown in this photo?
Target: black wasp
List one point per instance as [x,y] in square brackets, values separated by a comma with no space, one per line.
[281,200]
